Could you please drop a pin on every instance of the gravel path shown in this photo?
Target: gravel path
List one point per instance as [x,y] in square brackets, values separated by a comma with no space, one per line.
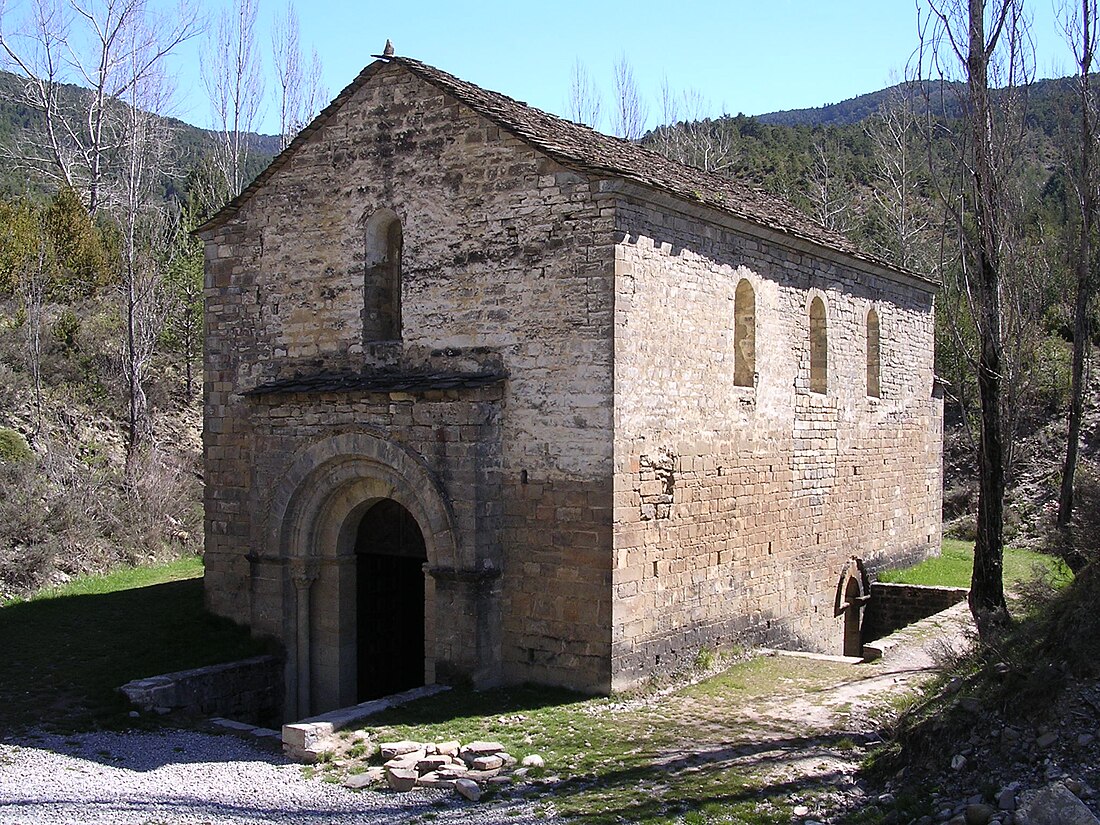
[176,776]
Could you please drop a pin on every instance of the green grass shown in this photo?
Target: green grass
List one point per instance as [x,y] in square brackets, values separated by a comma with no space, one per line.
[692,757]
[954,565]
[67,650]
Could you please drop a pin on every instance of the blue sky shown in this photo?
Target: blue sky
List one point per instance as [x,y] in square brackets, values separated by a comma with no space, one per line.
[750,56]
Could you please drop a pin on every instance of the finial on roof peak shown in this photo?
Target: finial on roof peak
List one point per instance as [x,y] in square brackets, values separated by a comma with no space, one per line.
[388,50]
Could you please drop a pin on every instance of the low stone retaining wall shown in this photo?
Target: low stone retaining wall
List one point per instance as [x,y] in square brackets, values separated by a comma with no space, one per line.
[249,690]
[893,606]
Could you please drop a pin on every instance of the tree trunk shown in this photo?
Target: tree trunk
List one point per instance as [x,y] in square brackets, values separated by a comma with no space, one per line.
[1086,201]
[987,600]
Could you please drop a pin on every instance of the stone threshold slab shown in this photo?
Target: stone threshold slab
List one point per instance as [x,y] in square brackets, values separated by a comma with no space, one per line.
[307,739]
[819,657]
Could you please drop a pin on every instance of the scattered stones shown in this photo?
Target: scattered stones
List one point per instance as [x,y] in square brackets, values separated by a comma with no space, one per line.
[359,781]
[448,765]
[401,779]
[1056,805]
[469,789]
[487,763]
[1006,799]
[979,813]
[481,748]
[1047,739]
[391,749]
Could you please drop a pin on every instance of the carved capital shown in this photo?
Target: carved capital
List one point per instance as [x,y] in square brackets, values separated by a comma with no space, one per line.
[304,572]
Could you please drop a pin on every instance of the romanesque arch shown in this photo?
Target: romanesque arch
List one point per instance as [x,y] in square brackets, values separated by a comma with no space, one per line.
[315,513]
[852,593]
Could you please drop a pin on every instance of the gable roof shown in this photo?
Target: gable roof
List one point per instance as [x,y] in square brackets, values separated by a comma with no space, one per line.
[580,147]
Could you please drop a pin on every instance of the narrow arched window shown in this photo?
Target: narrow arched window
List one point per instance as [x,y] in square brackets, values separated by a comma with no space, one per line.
[744,335]
[819,347]
[382,278]
[873,362]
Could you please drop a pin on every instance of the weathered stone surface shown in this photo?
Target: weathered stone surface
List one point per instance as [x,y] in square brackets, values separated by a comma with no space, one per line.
[486,763]
[979,813]
[391,749]
[1055,805]
[533,761]
[408,761]
[432,763]
[248,690]
[369,777]
[401,779]
[449,748]
[478,748]
[469,789]
[631,502]
[1045,740]
[434,780]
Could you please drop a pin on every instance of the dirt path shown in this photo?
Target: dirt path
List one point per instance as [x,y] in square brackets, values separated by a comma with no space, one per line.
[802,725]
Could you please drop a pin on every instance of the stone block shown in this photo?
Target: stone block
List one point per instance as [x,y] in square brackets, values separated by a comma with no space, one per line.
[401,779]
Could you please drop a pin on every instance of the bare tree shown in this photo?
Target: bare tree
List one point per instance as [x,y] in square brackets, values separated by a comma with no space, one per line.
[81,42]
[897,174]
[315,93]
[630,113]
[32,287]
[1080,24]
[986,44]
[286,55]
[828,187]
[689,136]
[144,235]
[232,72]
[585,102]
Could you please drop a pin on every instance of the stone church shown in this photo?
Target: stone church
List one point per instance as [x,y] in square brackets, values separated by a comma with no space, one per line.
[494,398]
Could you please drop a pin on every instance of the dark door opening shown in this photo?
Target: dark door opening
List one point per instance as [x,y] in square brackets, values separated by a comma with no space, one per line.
[389,600]
[853,635]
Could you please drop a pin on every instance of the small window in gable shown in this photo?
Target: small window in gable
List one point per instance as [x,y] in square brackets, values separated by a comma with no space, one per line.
[873,362]
[382,278]
[744,335]
[819,348]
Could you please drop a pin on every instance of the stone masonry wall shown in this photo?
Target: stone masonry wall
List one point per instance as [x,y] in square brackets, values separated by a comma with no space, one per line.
[737,508]
[248,690]
[508,262]
[894,606]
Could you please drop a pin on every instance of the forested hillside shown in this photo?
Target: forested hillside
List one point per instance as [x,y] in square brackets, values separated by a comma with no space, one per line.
[100,278]
[100,302]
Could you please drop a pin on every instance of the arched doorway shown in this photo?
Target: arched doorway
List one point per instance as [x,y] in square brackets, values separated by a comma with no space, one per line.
[389,596]
[853,635]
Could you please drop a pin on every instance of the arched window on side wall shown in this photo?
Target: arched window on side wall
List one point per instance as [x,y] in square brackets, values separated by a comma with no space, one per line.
[382,278]
[873,363]
[819,348]
[744,335]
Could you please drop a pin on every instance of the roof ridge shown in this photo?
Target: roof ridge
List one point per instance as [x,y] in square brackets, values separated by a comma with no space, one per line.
[579,146]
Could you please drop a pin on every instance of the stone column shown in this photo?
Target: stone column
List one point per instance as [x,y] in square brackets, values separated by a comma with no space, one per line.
[303,572]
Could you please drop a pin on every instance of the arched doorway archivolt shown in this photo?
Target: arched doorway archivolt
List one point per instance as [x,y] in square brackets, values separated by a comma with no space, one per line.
[315,514]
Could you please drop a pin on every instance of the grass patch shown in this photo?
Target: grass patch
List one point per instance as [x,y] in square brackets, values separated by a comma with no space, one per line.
[691,757]
[67,650]
[954,565]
